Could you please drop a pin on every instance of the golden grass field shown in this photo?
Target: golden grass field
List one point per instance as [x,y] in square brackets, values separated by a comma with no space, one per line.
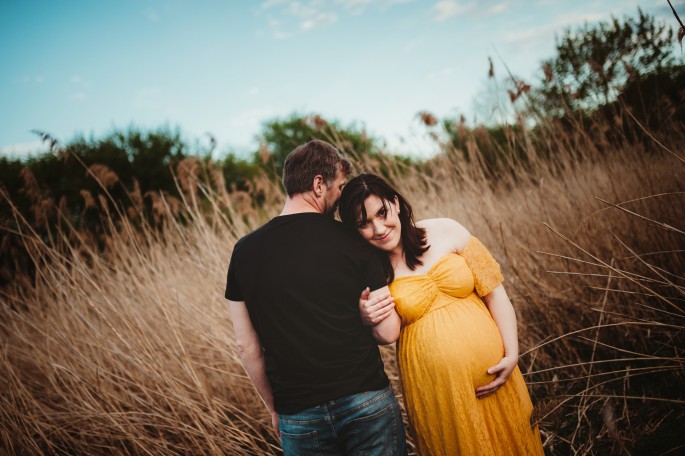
[131,351]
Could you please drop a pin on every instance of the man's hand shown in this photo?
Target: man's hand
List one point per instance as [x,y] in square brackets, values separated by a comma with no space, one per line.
[376,309]
[502,371]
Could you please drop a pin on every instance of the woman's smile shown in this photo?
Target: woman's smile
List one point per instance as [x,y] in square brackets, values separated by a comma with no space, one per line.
[384,238]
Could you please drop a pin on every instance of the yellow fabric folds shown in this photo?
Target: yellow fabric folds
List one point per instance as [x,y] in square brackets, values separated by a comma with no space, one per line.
[447,343]
[485,269]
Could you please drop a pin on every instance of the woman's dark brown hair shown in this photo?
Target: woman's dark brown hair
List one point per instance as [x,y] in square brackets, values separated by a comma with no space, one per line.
[351,209]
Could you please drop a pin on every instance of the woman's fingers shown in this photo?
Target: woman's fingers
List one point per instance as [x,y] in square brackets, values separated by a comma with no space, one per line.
[501,371]
[485,394]
[496,368]
[379,303]
[383,314]
[377,309]
[490,388]
[380,311]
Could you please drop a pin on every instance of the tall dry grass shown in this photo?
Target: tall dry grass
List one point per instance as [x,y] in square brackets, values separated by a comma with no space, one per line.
[131,351]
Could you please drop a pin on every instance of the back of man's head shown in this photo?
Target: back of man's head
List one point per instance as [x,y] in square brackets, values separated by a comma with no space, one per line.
[309,160]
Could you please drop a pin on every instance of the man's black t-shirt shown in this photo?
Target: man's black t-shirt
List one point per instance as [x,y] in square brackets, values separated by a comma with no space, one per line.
[300,276]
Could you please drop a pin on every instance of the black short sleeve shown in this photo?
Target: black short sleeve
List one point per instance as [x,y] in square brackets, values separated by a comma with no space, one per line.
[374,275]
[233,291]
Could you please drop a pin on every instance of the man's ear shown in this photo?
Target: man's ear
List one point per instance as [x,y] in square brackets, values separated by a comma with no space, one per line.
[318,185]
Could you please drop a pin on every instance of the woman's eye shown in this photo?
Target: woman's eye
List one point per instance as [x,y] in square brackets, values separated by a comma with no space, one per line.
[361,224]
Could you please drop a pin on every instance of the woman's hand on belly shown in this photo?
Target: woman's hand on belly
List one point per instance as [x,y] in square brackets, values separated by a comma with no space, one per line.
[502,371]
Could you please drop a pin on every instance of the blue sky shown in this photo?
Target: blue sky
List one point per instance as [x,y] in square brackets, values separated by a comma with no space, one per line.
[225,67]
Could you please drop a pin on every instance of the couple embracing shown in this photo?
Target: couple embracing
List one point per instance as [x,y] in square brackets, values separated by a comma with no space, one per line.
[309,341]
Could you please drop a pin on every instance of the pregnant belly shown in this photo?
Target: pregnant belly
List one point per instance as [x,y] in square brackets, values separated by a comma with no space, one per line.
[459,341]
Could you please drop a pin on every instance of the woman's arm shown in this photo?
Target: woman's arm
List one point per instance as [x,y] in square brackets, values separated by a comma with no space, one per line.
[377,309]
[502,312]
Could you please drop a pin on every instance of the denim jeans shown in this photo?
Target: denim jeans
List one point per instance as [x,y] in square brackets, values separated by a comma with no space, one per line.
[368,424]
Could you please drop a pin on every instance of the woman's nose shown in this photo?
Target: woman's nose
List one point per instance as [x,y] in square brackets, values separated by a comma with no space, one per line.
[378,226]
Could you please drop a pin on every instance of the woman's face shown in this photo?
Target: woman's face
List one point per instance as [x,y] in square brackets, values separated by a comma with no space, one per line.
[382,227]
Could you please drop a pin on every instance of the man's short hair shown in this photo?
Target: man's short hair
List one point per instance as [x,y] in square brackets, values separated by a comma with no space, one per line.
[309,160]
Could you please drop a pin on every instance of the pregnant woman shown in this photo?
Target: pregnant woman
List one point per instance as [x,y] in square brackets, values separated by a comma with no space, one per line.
[458,345]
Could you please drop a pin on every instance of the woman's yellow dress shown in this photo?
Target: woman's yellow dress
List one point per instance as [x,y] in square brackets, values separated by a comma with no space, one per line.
[447,343]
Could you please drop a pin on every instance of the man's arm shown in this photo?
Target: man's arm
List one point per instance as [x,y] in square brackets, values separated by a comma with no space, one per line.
[252,356]
[387,330]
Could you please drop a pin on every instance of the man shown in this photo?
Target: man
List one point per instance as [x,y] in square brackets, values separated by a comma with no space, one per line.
[293,287]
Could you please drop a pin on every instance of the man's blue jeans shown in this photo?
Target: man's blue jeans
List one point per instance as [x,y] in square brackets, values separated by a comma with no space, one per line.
[368,424]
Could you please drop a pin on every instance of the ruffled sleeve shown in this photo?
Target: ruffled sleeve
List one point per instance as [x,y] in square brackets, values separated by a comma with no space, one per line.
[486,271]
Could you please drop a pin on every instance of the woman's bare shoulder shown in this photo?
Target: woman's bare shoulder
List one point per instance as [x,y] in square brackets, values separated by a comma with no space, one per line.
[447,232]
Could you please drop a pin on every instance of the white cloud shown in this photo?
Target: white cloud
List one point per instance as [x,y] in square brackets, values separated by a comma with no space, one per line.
[351,4]
[75,79]
[311,15]
[445,9]
[497,9]
[77,96]
[269,3]
[317,20]
[277,30]
[529,34]
[581,18]
[253,91]
[533,36]
[36,79]
[287,17]
[355,6]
